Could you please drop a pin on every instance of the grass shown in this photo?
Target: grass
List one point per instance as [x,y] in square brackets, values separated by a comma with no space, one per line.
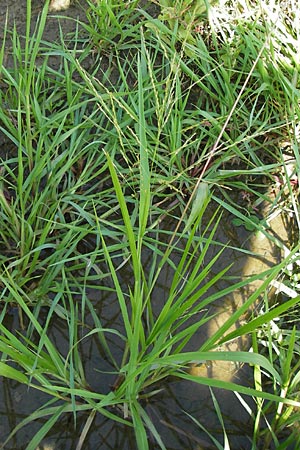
[123,162]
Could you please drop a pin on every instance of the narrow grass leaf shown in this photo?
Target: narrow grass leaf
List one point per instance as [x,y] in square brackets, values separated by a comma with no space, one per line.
[144,161]
[139,427]
[262,319]
[36,440]
[211,382]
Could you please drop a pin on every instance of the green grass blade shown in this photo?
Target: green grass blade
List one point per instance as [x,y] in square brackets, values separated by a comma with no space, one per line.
[14,374]
[39,436]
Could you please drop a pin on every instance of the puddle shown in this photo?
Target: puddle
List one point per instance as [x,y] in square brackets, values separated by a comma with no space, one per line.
[167,410]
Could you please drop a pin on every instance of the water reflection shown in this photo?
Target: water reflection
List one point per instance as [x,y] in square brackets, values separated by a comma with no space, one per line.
[167,410]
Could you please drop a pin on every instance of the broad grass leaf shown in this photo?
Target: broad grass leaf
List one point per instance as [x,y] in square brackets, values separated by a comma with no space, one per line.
[244,357]
[201,196]
[14,374]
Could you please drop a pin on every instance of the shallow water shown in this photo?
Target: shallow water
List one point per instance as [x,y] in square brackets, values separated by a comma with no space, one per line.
[177,397]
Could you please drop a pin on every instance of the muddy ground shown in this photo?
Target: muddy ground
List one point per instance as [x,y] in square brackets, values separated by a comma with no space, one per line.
[15,11]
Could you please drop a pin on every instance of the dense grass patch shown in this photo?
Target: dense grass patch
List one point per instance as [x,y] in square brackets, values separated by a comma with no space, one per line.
[154,127]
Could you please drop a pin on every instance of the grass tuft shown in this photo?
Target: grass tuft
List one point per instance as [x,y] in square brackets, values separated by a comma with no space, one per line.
[118,167]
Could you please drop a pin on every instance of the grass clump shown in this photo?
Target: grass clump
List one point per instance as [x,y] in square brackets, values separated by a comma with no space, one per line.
[111,180]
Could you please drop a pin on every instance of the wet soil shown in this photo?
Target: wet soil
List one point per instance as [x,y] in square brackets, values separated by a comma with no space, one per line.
[15,11]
